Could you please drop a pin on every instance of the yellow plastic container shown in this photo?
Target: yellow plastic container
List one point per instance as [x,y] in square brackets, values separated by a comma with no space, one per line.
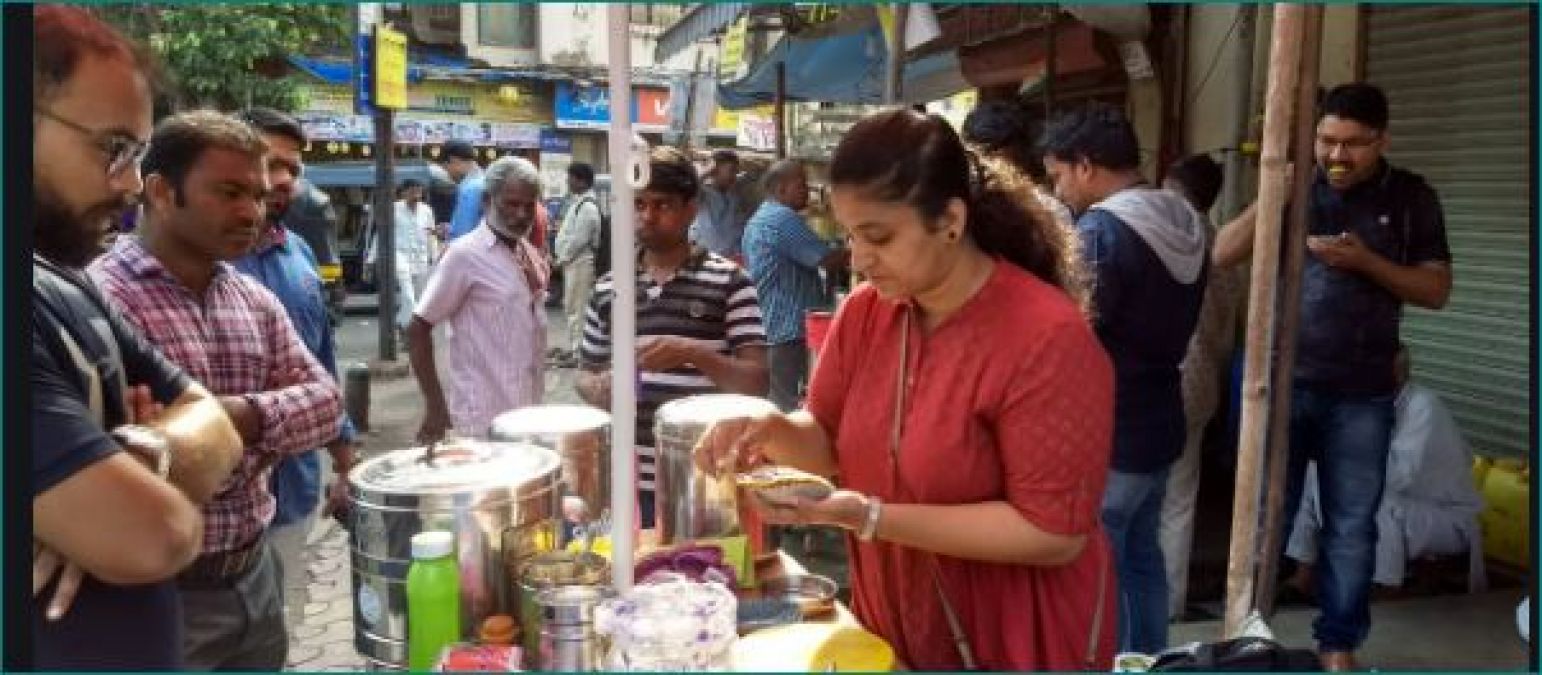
[1480,469]
[1506,516]
[331,273]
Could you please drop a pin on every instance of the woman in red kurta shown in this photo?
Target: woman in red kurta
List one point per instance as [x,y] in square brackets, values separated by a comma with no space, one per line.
[983,503]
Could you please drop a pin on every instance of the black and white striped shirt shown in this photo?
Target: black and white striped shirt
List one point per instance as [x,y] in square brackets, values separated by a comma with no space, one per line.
[709,298]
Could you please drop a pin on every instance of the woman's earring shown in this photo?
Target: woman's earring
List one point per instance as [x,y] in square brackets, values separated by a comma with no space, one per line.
[952,235]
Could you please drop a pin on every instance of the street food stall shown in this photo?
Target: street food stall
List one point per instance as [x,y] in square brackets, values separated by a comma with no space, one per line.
[532,545]
[524,551]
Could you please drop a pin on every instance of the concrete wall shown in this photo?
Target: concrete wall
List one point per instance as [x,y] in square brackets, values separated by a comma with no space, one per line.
[577,34]
[1211,105]
[496,56]
[1209,109]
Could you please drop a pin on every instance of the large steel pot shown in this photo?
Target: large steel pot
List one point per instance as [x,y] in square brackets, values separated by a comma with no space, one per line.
[693,504]
[580,435]
[500,500]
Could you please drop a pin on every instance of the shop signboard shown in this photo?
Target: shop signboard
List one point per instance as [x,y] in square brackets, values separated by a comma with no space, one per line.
[650,109]
[757,132]
[582,107]
[390,68]
[515,135]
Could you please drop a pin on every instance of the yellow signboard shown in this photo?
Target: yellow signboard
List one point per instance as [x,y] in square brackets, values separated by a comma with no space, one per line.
[733,48]
[390,68]
[725,120]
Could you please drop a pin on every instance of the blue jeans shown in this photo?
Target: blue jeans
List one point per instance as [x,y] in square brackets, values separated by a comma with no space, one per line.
[1349,438]
[1132,516]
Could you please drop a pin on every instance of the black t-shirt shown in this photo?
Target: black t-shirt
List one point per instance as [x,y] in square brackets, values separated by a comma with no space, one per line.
[1349,323]
[107,627]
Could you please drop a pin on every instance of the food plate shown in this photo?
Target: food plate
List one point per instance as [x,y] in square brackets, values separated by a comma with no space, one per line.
[784,485]
[813,594]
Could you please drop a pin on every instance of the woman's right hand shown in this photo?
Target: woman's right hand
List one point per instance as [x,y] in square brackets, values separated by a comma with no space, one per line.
[737,444]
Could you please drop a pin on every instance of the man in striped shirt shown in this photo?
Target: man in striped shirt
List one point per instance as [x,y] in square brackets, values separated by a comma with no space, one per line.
[205,183]
[698,321]
[784,256]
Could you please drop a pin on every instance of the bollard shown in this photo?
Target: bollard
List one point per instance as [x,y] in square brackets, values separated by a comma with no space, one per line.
[356,395]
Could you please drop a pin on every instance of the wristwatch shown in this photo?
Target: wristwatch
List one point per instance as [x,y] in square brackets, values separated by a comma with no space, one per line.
[146,443]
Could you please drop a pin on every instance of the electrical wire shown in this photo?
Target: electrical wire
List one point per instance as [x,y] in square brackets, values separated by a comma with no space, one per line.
[1215,59]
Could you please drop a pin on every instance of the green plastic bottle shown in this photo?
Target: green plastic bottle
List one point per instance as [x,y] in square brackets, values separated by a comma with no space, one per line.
[433,599]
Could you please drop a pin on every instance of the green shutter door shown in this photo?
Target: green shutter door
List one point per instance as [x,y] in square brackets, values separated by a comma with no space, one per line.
[1458,80]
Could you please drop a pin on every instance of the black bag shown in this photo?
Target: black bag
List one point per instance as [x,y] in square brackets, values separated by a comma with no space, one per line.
[1247,654]
[602,248]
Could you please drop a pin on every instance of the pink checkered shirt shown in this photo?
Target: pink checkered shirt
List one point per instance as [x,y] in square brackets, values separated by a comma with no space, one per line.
[235,341]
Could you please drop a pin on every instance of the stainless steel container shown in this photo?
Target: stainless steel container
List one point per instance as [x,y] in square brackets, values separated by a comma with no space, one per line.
[544,572]
[568,642]
[693,504]
[580,435]
[500,500]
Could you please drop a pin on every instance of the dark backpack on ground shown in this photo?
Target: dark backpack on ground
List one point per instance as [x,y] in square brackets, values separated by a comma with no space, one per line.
[1247,654]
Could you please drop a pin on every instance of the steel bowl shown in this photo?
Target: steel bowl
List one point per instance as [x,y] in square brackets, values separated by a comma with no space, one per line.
[814,594]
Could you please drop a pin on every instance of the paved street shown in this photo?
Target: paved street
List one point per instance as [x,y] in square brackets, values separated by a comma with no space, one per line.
[321,607]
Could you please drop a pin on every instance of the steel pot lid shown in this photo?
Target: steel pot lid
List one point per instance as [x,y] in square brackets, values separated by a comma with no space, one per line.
[549,419]
[705,409]
[459,467]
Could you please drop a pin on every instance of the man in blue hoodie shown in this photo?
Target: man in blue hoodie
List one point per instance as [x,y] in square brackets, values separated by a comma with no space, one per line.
[1147,251]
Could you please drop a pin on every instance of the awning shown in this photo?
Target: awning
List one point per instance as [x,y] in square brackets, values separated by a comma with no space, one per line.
[703,20]
[841,69]
[340,71]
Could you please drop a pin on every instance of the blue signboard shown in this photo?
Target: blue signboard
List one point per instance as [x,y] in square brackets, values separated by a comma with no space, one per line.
[585,107]
[553,144]
[363,73]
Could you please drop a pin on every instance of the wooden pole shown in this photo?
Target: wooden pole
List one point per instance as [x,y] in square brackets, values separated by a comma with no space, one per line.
[1294,241]
[781,110]
[1284,70]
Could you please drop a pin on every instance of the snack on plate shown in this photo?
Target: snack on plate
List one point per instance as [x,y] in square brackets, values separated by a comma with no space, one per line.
[472,658]
[784,485]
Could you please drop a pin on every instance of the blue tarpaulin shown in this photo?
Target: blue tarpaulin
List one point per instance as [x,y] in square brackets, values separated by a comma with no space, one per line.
[845,68]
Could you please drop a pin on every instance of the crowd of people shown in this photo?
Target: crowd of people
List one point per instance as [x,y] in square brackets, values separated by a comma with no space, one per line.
[1013,402]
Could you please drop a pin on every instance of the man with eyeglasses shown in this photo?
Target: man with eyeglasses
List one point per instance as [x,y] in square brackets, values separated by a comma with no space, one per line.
[698,319]
[1377,240]
[490,287]
[124,445]
[206,181]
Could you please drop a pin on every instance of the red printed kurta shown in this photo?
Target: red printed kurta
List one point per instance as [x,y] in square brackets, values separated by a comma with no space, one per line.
[1011,399]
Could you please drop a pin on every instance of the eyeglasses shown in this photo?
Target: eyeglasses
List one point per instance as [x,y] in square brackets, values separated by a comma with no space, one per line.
[1329,143]
[122,150]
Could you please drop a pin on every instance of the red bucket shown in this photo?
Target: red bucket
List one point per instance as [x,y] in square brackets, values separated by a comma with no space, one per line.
[816,327]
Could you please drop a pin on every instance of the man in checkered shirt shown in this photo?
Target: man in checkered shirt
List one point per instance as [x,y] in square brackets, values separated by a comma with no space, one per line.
[205,182]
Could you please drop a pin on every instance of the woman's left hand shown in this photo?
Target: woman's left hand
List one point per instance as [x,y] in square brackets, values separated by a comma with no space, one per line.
[843,508]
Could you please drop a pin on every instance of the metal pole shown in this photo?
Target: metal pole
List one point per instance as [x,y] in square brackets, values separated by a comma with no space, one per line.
[780,110]
[690,103]
[1284,69]
[1294,241]
[384,217]
[894,82]
[623,311]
